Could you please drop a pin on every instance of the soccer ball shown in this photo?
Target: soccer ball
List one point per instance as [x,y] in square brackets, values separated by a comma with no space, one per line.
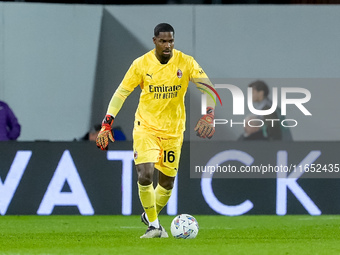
[184,226]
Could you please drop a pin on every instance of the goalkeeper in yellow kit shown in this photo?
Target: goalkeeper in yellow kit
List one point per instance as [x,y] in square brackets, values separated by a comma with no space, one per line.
[163,75]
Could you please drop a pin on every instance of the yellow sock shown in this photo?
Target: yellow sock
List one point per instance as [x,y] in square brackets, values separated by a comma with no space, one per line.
[162,197]
[147,198]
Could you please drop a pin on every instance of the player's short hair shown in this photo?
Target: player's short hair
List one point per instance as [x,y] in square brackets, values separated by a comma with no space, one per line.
[260,86]
[163,27]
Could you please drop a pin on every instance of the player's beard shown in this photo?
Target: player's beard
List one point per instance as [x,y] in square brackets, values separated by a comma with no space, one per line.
[165,58]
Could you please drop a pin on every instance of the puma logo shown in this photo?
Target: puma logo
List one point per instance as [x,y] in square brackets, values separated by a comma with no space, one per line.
[150,75]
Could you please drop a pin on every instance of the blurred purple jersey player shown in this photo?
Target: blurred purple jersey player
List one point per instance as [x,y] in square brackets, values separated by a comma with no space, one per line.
[9,126]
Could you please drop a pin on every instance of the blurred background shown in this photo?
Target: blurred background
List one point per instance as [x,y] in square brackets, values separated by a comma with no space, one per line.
[61,61]
[194,2]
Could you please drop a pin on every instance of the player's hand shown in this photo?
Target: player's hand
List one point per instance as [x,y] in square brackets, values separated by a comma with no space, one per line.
[105,133]
[205,126]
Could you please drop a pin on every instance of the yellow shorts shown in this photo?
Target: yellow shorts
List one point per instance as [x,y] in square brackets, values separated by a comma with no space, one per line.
[164,152]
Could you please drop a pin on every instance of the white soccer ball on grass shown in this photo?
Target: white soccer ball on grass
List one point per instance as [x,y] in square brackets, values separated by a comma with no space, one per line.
[184,226]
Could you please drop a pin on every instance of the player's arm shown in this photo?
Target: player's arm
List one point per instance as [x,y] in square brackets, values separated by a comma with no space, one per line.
[205,125]
[131,80]
[114,107]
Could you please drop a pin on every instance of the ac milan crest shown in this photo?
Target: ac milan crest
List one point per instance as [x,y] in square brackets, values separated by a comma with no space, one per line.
[179,73]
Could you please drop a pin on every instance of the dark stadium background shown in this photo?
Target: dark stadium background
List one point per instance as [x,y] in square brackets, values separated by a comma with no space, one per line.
[125,2]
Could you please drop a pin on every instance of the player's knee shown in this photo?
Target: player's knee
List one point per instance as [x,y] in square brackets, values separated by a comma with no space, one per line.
[168,184]
[144,179]
[145,173]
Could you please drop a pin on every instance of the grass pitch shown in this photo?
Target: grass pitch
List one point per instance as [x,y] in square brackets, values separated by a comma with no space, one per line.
[217,235]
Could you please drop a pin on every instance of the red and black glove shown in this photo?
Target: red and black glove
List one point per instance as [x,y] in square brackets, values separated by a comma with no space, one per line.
[205,126]
[105,133]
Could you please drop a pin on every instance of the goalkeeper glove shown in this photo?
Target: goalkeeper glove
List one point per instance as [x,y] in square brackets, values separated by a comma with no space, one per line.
[105,133]
[204,127]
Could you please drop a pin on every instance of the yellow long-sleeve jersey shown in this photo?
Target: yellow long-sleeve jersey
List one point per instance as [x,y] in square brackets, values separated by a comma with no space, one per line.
[161,106]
